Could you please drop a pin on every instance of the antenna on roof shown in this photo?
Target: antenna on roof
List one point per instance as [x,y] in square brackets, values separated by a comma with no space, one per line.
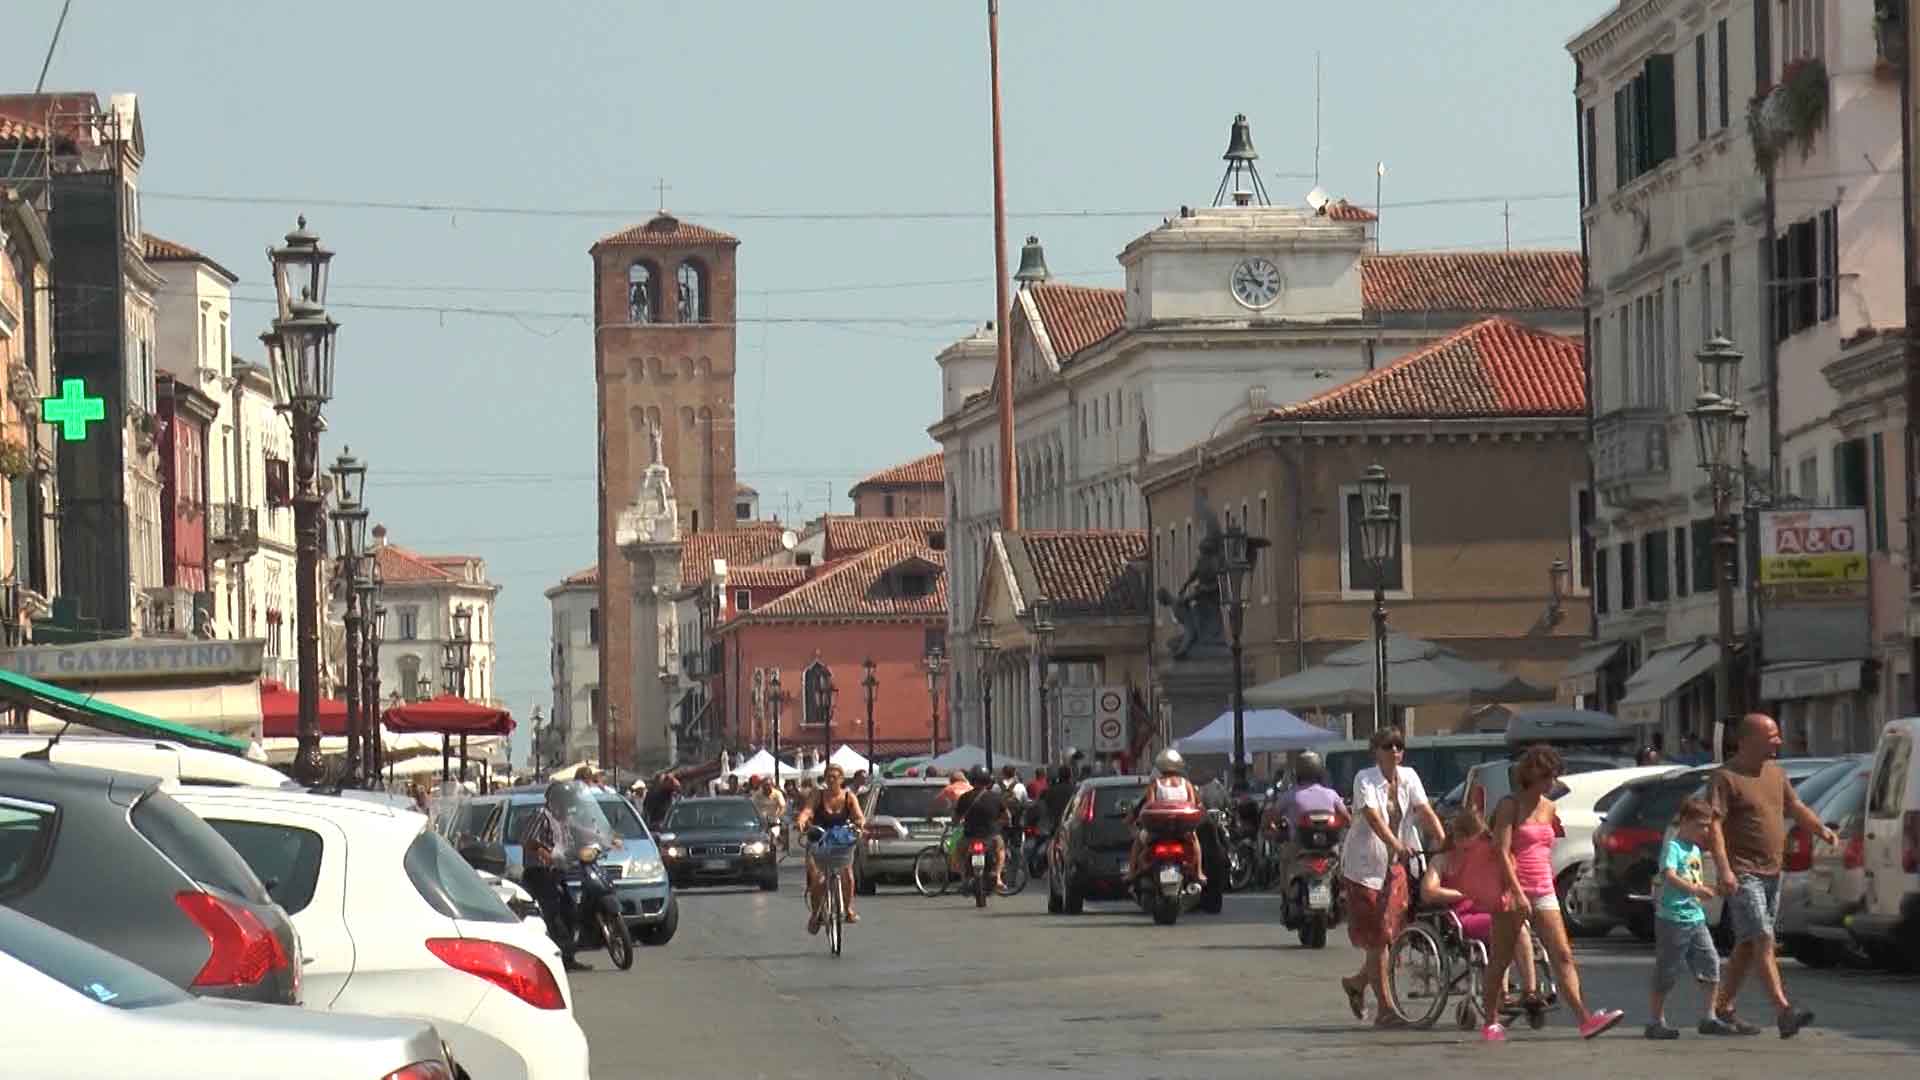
[1316,121]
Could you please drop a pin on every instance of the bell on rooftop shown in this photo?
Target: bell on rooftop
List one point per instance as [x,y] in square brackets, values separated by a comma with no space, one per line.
[1241,185]
[1033,264]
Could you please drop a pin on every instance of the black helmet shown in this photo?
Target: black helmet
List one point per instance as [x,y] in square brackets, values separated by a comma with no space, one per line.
[977,776]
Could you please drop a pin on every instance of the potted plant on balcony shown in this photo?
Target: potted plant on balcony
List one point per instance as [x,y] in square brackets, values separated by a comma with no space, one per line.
[15,460]
[1793,111]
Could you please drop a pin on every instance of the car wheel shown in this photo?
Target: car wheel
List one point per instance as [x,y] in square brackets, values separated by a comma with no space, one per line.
[1640,924]
[1810,951]
[1578,913]
[662,932]
[1054,904]
[866,886]
[1073,899]
[770,883]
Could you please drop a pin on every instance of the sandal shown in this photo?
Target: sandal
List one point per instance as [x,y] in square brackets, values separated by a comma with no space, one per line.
[813,923]
[853,916]
[1356,999]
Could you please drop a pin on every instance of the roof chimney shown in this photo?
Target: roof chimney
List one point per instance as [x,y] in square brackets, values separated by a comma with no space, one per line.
[379,536]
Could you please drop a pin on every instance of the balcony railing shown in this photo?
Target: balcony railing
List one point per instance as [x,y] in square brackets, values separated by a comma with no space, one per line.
[1630,447]
[233,531]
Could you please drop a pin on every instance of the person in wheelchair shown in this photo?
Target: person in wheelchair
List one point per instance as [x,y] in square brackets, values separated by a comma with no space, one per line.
[1443,887]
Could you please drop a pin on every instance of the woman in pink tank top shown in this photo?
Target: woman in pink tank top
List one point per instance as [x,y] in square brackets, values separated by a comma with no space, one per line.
[1524,827]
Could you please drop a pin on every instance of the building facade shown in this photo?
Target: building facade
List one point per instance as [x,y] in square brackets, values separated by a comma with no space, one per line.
[664,302]
[1483,436]
[266,599]
[914,489]
[184,605]
[424,595]
[29,549]
[575,662]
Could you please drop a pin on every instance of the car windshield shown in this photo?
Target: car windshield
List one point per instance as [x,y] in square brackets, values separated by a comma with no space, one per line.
[908,801]
[448,885]
[626,824]
[712,814]
[85,969]
[1116,800]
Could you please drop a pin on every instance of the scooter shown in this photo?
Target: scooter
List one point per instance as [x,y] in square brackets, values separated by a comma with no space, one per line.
[1165,888]
[597,910]
[981,882]
[1311,903]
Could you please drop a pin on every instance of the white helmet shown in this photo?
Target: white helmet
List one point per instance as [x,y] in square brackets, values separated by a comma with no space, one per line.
[1169,761]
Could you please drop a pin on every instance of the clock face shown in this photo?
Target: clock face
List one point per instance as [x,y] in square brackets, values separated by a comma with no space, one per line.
[1256,283]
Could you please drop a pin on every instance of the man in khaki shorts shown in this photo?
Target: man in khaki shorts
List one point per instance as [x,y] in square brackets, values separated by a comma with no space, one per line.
[1753,799]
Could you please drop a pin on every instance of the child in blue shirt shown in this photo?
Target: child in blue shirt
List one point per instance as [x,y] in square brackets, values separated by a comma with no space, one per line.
[1682,942]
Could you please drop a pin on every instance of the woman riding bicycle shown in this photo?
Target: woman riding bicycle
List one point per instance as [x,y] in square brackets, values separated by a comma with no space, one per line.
[832,807]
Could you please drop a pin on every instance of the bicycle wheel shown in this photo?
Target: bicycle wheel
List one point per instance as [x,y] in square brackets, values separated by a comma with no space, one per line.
[836,907]
[1419,977]
[931,873]
[1013,872]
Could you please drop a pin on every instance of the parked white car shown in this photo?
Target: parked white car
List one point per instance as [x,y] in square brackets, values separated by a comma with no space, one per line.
[394,922]
[1582,801]
[168,762]
[77,1011]
[1889,925]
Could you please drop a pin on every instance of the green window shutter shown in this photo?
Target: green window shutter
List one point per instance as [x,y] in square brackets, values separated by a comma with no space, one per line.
[1879,492]
[1661,134]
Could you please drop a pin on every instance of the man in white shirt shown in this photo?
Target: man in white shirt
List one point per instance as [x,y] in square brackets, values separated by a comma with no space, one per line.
[1387,799]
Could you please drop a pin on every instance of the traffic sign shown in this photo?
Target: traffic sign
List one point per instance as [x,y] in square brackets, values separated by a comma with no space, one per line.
[73,410]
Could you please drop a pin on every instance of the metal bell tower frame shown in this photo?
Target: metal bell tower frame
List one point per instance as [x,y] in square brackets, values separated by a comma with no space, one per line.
[1242,175]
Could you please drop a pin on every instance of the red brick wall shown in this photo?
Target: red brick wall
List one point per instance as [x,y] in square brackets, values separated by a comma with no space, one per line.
[901,709]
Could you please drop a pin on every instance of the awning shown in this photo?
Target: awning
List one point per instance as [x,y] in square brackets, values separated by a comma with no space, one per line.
[1786,682]
[449,715]
[89,711]
[1581,675]
[1664,673]
[280,712]
[228,708]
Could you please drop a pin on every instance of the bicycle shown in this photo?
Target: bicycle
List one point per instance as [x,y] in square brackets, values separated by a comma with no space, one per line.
[932,865]
[831,856]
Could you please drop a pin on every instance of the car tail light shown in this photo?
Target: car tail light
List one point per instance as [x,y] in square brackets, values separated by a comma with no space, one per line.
[422,1070]
[1169,849]
[978,847]
[244,950]
[1624,841]
[1854,855]
[1910,842]
[1799,850]
[1086,811]
[1033,830]
[516,971]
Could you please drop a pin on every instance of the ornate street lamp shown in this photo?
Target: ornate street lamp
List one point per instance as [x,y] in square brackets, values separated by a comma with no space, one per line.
[300,357]
[1380,550]
[870,683]
[1238,552]
[1720,437]
[376,615]
[542,734]
[935,663]
[1559,575]
[349,544]
[820,691]
[1040,625]
[986,647]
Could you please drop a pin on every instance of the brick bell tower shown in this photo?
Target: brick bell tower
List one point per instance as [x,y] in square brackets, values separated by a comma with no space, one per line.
[664,301]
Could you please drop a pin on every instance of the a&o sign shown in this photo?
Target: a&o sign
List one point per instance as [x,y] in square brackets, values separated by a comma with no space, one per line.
[1806,546]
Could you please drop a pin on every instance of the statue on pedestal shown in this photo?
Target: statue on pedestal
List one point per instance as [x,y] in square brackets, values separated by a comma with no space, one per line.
[1197,605]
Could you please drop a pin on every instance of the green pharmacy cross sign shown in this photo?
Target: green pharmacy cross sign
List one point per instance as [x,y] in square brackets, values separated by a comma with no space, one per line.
[73,410]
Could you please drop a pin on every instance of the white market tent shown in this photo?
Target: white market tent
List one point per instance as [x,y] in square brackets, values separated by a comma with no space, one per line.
[1267,731]
[761,764]
[972,757]
[849,760]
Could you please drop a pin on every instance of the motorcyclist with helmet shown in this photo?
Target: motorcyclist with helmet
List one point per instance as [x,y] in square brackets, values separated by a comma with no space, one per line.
[1169,796]
[1309,795]
[546,840]
[983,815]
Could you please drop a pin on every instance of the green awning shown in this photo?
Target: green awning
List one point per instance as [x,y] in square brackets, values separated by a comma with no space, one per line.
[84,709]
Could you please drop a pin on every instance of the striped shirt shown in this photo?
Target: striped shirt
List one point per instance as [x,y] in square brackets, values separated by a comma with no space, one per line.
[544,831]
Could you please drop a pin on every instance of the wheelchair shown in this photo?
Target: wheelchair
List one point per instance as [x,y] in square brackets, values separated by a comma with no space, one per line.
[1433,961]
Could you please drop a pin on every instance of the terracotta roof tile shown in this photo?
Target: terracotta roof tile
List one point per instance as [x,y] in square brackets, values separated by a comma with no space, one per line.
[665,230]
[865,587]
[928,471]
[589,576]
[161,250]
[1086,571]
[13,129]
[1493,368]
[848,536]
[1078,317]
[743,489]
[398,566]
[1478,281]
[767,577]
[1342,210]
[749,543]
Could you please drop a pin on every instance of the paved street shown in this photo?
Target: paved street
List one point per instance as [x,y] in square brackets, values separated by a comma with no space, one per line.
[934,989]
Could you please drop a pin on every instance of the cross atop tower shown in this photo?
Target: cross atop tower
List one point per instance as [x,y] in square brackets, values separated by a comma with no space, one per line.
[661,187]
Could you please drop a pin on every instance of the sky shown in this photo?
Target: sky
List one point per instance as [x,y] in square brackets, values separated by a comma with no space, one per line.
[461,157]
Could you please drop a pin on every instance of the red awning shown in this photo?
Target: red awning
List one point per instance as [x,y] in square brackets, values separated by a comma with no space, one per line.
[448,715]
[280,712]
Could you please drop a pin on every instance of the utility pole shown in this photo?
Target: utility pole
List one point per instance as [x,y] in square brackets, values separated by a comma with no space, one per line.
[1003,342]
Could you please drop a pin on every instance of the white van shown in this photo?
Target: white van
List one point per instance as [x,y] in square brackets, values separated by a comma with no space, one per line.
[1889,923]
[168,762]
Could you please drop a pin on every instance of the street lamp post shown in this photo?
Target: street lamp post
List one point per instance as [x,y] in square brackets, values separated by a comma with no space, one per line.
[376,612]
[776,697]
[984,644]
[542,733]
[821,693]
[349,541]
[1040,625]
[1720,434]
[300,357]
[870,683]
[1380,550]
[1238,551]
[936,665]
[458,653]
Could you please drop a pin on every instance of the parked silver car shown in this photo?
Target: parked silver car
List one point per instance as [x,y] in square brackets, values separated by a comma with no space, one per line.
[903,816]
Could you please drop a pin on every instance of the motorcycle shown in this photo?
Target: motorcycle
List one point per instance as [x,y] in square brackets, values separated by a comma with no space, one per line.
[1239,849]
[1165,888]
[597,916]
[1312,902]
[980,876]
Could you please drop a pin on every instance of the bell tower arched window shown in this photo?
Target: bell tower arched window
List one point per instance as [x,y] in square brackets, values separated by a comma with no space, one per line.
[692,282]
[643,294]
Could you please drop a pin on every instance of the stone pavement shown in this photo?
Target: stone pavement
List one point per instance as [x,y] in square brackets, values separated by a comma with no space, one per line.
[935,989]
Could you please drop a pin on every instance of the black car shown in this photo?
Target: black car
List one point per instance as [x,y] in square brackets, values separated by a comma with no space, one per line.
[1626,846]
[1087,857]
[718,841]
[111,859]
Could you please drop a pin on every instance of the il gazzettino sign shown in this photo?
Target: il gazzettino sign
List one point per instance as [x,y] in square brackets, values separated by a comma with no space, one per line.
[137,659]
